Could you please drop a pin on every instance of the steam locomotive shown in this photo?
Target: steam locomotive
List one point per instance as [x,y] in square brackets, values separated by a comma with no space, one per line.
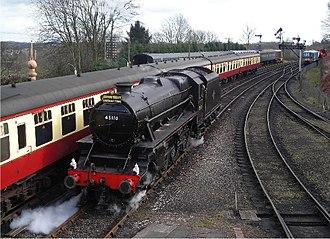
[138,132]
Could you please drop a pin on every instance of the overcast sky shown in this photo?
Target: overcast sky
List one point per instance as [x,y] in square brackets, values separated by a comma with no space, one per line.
[226,18]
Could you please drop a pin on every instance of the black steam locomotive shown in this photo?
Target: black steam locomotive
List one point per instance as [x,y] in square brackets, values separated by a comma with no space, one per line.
[138,132]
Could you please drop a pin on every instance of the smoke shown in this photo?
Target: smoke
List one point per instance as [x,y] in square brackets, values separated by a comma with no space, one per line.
[46,219]
[135,201]
[196,142]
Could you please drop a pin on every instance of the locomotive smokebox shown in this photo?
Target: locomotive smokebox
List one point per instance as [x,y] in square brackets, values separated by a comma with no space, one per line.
[124,88]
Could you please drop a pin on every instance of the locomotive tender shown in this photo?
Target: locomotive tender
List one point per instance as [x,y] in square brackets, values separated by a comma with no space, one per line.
[144,127]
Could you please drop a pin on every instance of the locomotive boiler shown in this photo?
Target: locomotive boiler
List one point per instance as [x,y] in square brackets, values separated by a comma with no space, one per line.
[138,132]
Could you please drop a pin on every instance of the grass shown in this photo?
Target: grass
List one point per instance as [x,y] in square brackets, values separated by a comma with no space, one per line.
[313,76]
[207,223]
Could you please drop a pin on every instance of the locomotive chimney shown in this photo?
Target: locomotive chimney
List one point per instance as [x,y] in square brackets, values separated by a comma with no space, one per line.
[124,87]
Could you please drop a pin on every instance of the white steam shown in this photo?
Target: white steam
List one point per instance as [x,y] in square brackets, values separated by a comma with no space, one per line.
[114,208]
[148,178]
[135,201]
[196,142]
[46,219]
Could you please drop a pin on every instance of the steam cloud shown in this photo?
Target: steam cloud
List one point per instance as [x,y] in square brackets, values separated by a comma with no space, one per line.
[114,208]
[45,219]
[196,142]
[135,201]
[149,178]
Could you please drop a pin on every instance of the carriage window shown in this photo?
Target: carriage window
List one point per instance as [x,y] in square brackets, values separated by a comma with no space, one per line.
[43,128]
[5,153]
[68,118]
[87,105]
[21,131]
[42,116]
[4,129]
[44,133]
[4,141]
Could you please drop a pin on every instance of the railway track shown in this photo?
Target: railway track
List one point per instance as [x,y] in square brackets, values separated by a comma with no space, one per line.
[299,213]
[309,117]
[303,141]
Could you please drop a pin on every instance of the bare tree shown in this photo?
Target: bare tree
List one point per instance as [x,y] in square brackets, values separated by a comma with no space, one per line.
[9,56]
[200,36]
[248,34]
[98,16]
[326,25]
[13,62]
[60,24]
[78,22]
[174,30]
